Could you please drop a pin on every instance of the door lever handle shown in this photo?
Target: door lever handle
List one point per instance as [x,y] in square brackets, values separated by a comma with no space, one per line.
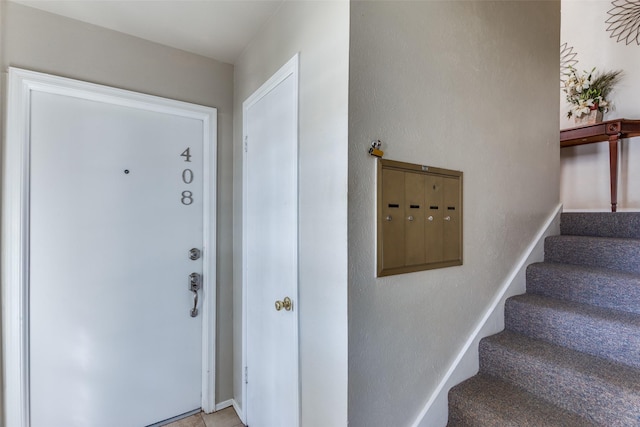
[194,286]
[194,310]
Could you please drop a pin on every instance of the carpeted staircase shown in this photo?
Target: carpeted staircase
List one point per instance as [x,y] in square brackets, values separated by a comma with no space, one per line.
[570,351]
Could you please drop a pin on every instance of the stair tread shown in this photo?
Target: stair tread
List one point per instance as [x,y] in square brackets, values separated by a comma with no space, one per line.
[606,391]
[489,401]
[586,284]
[602,332]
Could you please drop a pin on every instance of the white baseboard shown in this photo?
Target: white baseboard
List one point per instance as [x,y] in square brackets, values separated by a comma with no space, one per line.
[466,364]
[224,405]
[240,412]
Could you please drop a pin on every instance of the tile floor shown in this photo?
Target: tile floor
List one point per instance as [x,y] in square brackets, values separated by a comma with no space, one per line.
[224,418]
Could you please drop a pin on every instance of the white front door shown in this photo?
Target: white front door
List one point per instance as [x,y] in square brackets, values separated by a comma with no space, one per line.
[271,251]
[116,203]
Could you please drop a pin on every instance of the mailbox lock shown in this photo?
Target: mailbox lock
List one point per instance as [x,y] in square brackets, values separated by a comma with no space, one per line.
[410,218]
[388,218]
[430,217]
[447,218]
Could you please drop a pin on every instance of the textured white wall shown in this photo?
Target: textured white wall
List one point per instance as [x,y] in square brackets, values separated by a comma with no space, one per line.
[41,41]
[584,182]
[319,31]
[466,85]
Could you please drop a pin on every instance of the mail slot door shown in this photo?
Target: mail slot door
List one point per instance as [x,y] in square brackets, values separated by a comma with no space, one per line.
[434,218]
[393,218]
[414,218]
[452,206]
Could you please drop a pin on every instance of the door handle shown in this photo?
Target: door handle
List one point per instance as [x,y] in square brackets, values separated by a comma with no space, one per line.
[194,286]
[287,304]
[194,310]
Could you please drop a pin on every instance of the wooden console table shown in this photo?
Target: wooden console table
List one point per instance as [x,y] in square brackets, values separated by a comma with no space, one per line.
[612,131]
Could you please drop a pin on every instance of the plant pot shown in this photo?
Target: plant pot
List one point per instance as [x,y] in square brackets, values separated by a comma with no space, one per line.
[592,117]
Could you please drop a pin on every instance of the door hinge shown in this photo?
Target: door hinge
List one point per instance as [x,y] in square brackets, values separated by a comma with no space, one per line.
[246,144]
[246,375]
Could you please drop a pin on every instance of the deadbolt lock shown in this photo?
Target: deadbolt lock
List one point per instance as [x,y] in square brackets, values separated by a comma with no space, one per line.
[286,304]
[194,254]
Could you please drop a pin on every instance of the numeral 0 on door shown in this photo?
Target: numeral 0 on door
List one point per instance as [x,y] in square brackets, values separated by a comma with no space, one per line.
[187,176]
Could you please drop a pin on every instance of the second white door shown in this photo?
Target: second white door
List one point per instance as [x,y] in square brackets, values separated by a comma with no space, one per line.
[271,251]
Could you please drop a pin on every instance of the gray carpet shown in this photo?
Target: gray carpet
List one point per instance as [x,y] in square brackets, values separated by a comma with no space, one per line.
[570,351]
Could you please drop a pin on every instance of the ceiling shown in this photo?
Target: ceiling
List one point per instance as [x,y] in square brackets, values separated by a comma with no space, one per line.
[218,29]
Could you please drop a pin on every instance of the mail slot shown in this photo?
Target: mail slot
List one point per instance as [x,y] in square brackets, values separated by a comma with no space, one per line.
[419,217]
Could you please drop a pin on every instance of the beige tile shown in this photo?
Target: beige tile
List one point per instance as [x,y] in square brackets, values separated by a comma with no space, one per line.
[224,418]
[192,421]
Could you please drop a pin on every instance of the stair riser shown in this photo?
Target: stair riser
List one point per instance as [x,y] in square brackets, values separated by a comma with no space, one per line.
[571,283]
[618,254]
[608,338]
[503,405]
[475,415]
[574,390]
[487,401]
[603,224]
[459,417]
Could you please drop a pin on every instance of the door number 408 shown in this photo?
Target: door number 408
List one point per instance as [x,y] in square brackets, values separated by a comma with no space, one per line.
[187,178]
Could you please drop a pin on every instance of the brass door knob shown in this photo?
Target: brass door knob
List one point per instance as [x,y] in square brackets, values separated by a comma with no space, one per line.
[286,304]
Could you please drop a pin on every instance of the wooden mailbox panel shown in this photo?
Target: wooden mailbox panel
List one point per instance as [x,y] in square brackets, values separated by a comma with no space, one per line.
[419,217]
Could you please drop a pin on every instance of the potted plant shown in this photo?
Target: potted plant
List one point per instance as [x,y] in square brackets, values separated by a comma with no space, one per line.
[588,93]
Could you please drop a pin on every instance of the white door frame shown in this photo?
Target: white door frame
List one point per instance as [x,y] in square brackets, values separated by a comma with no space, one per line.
[15,225]
[290,69]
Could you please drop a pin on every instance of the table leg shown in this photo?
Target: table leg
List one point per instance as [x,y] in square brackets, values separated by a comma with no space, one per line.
[613,170]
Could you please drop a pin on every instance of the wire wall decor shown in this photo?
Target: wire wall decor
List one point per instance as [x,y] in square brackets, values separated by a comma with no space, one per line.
[624,21]
[567,60]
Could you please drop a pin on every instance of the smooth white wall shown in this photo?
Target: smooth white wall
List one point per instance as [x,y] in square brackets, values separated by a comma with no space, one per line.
[319,31]
[585,169]
[41,41]
[465,85]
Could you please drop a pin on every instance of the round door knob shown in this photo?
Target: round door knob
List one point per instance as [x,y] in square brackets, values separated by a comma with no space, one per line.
[285,303]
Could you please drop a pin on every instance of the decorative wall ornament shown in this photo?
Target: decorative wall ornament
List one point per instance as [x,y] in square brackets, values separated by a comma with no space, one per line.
[567,60]
[624,22]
